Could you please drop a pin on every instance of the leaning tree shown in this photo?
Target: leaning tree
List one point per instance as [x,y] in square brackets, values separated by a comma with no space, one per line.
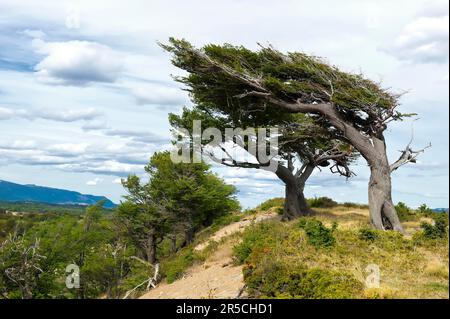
[302,147]
[357,109]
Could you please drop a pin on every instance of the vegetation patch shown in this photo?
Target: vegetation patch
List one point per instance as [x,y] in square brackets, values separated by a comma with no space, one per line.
[272,279]
[318,234]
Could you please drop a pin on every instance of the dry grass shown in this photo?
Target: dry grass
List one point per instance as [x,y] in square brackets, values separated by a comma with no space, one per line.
[408,269]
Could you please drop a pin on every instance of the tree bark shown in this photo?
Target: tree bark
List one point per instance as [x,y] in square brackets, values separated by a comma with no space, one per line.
[291,208]
[173,243]
[295,204]
[151,249]
[189,236]
[301,182]
[381,208]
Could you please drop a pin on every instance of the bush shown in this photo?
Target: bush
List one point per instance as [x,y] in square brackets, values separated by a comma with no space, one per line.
[355,205]
[436,231]
[322,202]
[272,279]
[425,210]
[367,234]
[173,268]
[404,212]
[251,238]
[270,203]
[318,234]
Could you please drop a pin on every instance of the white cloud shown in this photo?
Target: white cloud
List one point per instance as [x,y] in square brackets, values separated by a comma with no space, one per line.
[68,115]
[69,148]
[159,95]
[6,114]
[59,115]
[18,145]
[94,126]
[117,181]
[94,182]
[424,40]
[35,34]
[77,63]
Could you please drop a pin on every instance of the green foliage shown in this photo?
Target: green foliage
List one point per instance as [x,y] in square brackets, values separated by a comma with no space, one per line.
[368,234]
[44,208]
[404,212]
[438,230]
[425,210]
[89,241]
[272,279]
[194,195]
[318,234]
[260,237]
[295,75]
[270,203]
[322,202]
[173,268]
[355,205]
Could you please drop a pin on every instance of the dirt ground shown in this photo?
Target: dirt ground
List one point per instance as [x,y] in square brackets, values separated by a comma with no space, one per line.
[217,277]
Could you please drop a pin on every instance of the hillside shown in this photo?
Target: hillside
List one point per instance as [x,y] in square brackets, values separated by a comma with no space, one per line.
[268,257]
[12,192]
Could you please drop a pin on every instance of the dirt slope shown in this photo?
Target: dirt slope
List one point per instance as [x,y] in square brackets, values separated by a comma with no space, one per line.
[217,277]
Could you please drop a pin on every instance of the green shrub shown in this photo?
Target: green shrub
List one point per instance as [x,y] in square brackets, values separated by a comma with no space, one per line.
[271,279]
[367,234]
[322,202]
[173,268]
[270,203]
[355,205]
[251,211]
[436,231]
[404,212]
[251,238]
[318,234]
[425,210]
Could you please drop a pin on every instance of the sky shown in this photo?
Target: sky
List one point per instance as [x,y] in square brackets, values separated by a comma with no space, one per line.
[85,89]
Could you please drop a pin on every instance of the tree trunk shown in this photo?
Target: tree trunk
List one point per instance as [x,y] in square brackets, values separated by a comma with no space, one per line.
[303,204]
[301,182]
[295,204]
[173,243]
[382,211]
[189,235]
[291,208]
[151,249]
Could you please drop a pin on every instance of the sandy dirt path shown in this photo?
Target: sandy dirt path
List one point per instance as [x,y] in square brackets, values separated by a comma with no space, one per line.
[217,277]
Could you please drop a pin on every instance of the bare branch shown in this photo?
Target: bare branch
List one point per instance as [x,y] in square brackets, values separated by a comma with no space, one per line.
[408,156]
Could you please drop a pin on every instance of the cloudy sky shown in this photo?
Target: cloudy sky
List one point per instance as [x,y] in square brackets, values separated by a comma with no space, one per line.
[85,90]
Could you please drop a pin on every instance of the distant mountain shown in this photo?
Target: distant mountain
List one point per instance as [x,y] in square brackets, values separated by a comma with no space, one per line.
[440,210]
[12,192]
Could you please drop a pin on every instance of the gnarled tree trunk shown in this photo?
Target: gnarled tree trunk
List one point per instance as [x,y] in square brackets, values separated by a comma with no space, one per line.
[295,204]
[381,208]
[301,182]
[291,203]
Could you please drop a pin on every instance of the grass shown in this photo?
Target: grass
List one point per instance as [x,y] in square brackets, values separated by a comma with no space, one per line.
[411,266]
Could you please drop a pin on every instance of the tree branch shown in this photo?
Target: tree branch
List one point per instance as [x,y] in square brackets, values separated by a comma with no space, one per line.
[408,156]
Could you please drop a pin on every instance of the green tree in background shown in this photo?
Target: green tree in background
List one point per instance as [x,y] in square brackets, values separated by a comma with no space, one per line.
[178,199]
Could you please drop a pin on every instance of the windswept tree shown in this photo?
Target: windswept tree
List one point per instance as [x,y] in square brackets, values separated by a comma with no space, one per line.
[302,147]
[269,82]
